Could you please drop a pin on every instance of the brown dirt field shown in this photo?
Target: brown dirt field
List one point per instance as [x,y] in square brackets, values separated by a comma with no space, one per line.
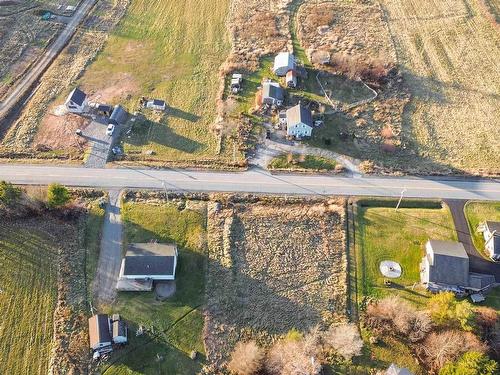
[58,132]
[119,86]
[285,264]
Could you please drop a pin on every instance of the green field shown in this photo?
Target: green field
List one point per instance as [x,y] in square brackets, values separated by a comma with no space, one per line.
[175,325]
[28,295]
[477,213]
[170,50]
[385,234]
[298,162]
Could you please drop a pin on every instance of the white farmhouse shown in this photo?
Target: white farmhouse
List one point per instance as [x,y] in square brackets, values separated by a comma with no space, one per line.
[283,63]
[156,104]
[299,122]
[76,101]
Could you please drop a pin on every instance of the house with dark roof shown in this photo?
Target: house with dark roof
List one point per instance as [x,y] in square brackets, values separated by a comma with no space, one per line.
[156,104]
[445,262]
[272,93]
[119,330]
[283,63]
[76,101]
[446,266]
[99,333]
[147,262]
[291,79]
[491,235]
[299,122]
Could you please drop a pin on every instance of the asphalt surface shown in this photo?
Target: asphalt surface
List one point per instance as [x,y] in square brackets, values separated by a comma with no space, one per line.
[108,267]
[99,142]
[477,262]
[30,78]
[253,181]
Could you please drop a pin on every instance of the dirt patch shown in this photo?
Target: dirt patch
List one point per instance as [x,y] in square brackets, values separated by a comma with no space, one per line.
[118,86]
[58,132]
[286,265]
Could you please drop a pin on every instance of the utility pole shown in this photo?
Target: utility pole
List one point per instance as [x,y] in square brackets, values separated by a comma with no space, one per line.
[400,198]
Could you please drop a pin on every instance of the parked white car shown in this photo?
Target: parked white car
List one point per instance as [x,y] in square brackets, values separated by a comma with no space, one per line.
[110,130]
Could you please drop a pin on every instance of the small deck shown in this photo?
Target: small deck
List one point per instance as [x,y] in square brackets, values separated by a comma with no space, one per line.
[125,285]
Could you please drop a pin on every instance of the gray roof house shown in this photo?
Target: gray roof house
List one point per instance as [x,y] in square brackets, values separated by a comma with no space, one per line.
[283,62]
[99,333]
[491,235]
[299,122]
[147,262]
[272,93]
[76,101]
[395,370]
[445,262]
[156,104]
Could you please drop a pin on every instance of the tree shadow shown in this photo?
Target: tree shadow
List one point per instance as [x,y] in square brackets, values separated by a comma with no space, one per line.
[179,113]
[147,131]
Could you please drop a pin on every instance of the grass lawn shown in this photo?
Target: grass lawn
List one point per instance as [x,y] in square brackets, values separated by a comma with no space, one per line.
[92,242]
[385,234]
[477,213]
[493,299]
[169,50]
[28,295]
[302,162]
[175,325]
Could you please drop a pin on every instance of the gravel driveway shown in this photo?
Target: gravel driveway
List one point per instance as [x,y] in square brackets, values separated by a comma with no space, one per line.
[110,256]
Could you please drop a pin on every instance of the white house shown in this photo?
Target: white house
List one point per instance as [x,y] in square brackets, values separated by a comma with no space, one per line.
[299,122]
[272,93]
[445,262]
[156,104]
[76,101]
[149,261]
[283,62]
[119,330]
[491,235]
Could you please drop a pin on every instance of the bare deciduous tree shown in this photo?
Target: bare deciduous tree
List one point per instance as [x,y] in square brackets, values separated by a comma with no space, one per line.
[345,340]
[247,358]
[294,357]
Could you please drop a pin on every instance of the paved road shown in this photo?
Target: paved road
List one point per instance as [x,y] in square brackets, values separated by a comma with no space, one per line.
[51,53]
[252,181]
[108,267]
[477,262]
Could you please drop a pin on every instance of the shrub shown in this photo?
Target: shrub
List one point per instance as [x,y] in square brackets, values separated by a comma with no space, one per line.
[292,357]
[440,348]
[445,310]
[394,315]
[57,195]
[345,340]
[472,363]
[247,358]
[9,194]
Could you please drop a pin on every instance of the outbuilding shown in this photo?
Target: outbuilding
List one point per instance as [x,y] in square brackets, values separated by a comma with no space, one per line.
[491,235]
[76,102]
[283,63]
[156,104]
[99,334]
[291,79]
[299,122]
[272,93]
[118,116]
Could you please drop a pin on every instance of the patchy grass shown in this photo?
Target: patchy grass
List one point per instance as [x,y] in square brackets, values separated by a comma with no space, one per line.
[174,325]
[169,50]
[385,234]
[28,295]
[477,213]
[493,299]
[286,266]
[301,162]
[92,241]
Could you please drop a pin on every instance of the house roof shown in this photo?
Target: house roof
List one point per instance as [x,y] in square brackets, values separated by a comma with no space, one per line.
[494,226]
[448,248]
[299,114]
[118,115]
[158,102]
[395,370]
[273,90]
[77,96]
[150,259]
[104,108]
[99,330]
[284,59]
[119,328]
